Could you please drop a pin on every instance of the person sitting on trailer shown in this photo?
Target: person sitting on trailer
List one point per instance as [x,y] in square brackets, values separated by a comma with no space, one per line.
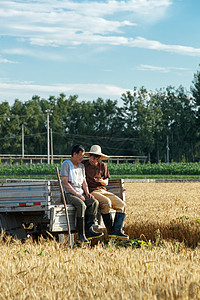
[76,191]
[97,176]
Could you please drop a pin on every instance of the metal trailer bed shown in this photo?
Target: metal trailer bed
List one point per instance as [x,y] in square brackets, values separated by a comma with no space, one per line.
[39,202]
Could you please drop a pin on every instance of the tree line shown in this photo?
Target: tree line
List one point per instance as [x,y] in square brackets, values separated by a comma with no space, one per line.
[163,125]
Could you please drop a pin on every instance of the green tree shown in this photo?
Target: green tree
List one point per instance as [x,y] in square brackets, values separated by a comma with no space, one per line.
[178,123]
[141,115]
[35,128]
[5,135]
[195,90]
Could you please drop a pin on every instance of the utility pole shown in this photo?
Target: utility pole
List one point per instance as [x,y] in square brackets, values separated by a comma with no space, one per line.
[48,146]
[167,149]
[22,140]
[51,147]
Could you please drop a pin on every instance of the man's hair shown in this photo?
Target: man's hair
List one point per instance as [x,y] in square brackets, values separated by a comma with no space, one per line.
[77,148]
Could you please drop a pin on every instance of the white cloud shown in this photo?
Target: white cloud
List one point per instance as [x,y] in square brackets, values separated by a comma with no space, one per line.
[67,23]
[31,53]
[160,69]
[91,8]
[138,42]
[156,45]
[7,61]
[27,89]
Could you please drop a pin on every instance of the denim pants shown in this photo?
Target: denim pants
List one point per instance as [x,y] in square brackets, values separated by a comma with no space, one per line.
[88,207]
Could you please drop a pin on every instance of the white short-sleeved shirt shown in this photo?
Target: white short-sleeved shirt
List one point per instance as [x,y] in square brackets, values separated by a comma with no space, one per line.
[80,175]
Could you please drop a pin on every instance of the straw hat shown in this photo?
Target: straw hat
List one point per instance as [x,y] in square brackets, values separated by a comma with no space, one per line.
[96,149]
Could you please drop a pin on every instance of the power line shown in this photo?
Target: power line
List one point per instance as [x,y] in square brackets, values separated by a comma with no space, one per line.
[112,139]
[27,135]
[100,137]
[22,116]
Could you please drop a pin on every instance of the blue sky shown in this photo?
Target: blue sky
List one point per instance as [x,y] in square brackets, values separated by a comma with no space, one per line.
[96,48]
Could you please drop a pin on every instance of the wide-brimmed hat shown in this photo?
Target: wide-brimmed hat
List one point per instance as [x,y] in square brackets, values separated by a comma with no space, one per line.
[96,149]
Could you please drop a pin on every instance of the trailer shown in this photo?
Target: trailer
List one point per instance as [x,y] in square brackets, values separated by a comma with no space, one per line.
[29,207]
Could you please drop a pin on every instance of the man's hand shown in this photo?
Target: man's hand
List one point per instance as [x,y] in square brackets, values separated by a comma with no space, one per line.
[81,197]
[70,189]
[89,195]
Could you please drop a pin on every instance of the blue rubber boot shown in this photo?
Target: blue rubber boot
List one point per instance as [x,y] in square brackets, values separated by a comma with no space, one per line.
[89,231]
[117,227]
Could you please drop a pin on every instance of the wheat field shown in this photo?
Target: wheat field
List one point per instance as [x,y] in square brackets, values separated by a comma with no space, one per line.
[164,215]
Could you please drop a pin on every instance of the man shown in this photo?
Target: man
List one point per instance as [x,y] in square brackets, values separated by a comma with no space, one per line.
[97,176]
[76,192]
